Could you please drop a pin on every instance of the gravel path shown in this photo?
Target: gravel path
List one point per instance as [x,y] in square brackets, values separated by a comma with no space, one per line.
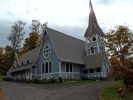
[21,91]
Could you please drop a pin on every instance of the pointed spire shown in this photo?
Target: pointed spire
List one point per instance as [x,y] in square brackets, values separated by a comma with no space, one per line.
[93,27]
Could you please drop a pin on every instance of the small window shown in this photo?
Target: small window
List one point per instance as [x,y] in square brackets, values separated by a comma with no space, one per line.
[22,63]
[46,51]
[17,65]
[94,39]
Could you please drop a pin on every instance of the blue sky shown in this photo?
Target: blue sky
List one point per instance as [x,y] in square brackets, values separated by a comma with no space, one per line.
[68,16]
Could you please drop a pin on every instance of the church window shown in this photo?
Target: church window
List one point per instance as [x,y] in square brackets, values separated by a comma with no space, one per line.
[47,50]
[94,39]
[49,66]
[46,67]
[46,71]
[43,67]
[92,50]
[69,67]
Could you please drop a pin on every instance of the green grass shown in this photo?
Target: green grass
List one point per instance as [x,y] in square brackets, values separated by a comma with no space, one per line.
[1,77]
[65,82]
[110,93]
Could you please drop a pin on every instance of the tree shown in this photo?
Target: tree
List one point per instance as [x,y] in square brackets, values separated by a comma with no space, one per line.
[34,38]
[31,42]
[35,26]
[5,59]
[120,44]
[16,37]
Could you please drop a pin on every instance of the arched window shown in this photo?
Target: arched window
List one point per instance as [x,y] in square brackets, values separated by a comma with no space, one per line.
[47,50]
[49,66]
[46,71]
[94,39]
[43,67]
[92,50]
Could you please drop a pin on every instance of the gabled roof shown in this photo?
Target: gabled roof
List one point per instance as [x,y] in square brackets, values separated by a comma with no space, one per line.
[68,48]
[93,27]
[29,56]
[94,61]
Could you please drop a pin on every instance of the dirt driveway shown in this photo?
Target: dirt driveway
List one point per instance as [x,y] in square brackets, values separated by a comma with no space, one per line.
[21,91]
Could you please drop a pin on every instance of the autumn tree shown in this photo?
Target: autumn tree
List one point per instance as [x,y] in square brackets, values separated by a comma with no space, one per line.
[5,59]
[120,44]
[31,42]
[34,38]
[1,59]
[16,37]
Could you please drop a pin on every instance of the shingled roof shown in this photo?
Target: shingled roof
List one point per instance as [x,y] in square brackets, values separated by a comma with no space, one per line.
[93,27]
[27,60]
[94,61]
[68,48]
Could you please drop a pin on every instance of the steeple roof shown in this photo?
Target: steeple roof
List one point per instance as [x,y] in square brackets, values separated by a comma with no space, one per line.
[93,27]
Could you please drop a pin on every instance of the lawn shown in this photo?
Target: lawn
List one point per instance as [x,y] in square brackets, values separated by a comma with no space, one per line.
[110,93]
[1,77]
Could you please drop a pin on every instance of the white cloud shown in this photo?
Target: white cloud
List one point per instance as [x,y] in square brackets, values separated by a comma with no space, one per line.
[66,13]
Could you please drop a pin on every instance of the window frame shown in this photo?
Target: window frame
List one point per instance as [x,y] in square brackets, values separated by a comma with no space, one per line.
[46,50]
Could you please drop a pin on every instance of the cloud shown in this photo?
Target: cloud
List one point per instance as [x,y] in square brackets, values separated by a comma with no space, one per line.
[105,2]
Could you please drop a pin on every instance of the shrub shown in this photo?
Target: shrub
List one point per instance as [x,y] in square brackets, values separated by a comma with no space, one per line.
[36,81]
[52,80]
[8,79]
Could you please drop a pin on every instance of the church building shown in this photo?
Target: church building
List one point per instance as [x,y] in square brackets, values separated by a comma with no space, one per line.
[61,55]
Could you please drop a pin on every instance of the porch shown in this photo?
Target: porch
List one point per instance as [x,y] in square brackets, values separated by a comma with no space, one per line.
[64,75]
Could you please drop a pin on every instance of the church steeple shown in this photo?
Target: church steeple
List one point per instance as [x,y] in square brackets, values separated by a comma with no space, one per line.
[94,35]
[93,27]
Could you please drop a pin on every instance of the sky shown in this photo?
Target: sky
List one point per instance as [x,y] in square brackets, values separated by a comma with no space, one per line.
[68,16]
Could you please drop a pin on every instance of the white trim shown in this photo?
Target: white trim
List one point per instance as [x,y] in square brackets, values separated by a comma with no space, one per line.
[97,43]
[46,49]
[86,47]
[54,48]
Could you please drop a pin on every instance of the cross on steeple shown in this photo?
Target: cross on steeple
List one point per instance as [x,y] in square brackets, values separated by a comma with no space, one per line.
[93,27]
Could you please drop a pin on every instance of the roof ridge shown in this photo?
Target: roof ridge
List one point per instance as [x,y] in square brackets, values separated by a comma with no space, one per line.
[65,34]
